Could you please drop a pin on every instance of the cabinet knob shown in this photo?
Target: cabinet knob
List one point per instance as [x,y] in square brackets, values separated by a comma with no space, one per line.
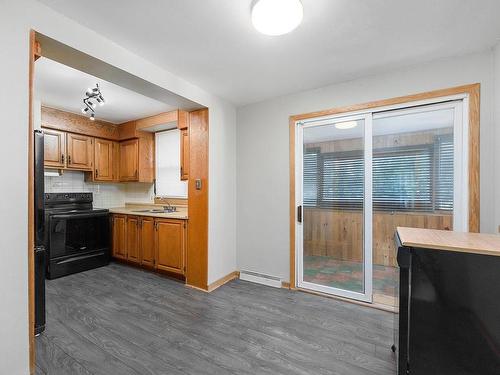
[62,158]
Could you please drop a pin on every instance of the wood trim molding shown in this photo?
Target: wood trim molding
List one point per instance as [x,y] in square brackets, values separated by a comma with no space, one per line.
[197,247]
[223,280]
[34,49]
[178,116]
[473,93]
[70,122]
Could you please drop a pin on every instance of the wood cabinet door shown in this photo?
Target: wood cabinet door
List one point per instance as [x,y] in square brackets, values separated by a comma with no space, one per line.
[129,157]
[103,160]
[119,236]
[184,154]
[116,161]
[133,239]
[170,245]
[79,151]
[147,241]
[54,146]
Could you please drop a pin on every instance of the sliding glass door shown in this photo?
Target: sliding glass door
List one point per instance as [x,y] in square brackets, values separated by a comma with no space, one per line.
[416,181]
[335,212]
[360,177]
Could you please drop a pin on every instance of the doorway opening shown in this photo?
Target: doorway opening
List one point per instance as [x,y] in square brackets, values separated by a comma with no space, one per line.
[358,175]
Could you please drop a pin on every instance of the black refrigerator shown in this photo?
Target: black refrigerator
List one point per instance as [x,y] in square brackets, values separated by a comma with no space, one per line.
[39,248]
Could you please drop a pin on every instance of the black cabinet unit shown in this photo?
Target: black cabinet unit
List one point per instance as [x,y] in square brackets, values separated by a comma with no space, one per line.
[449,312]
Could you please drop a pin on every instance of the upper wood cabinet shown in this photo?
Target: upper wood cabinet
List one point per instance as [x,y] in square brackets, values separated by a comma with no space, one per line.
[170,245]
[119,236]
[147,241]
[133,239]
[80,152]
[137,158]
[129,160]
[184,154]
[104,160]
[54,148]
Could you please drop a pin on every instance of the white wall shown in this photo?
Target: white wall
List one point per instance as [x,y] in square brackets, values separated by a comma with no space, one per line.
[263,150]
[16,19]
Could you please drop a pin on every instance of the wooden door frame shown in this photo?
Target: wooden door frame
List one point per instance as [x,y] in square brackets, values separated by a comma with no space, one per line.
[34,53]
[473,93]
[197,247]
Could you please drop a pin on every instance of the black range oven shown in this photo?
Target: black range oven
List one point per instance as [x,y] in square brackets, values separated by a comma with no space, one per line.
[77,236]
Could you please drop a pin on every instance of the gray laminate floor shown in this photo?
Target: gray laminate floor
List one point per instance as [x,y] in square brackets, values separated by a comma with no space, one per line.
[120,320]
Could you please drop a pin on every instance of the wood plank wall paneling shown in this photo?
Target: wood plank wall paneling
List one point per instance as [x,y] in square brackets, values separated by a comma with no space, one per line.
[339,233]
[197,247]
[381,141]
[60,120]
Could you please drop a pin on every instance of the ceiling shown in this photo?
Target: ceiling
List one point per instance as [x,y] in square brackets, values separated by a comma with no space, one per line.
[59,86]
[213,44]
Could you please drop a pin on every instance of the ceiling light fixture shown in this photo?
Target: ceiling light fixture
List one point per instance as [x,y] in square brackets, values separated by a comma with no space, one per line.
[90,95]
[346,125]
[277,17]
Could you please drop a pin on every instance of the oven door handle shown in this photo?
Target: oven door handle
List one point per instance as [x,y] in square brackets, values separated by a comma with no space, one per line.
[78,216]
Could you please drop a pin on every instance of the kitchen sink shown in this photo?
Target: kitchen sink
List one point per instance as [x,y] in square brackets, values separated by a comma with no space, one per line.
[158,210]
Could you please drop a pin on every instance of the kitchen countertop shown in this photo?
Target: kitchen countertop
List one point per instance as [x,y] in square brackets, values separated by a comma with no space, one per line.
[129,209]
[474,243]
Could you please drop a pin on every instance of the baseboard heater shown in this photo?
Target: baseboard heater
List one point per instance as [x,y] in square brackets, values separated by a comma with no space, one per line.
[260,278]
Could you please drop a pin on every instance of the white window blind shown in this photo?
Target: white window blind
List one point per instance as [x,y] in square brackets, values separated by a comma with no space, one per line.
[168,164]
[413,178]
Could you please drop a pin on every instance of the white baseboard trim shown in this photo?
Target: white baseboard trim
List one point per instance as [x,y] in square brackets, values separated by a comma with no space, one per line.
[259,278]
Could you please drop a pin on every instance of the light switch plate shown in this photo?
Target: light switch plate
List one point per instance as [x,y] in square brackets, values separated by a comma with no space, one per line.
[197,184]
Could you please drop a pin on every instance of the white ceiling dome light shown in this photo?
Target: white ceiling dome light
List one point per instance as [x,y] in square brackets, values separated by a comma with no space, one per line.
[346,125]
[277,17]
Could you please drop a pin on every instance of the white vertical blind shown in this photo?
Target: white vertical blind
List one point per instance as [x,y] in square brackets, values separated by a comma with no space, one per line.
[168,165]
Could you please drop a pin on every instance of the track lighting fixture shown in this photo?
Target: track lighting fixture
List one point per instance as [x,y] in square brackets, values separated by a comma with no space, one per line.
[90,95]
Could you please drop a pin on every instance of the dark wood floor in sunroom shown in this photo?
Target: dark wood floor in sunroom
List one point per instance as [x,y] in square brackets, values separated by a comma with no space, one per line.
[121,320]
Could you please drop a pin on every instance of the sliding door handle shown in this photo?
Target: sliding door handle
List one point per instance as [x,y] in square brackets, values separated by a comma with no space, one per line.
[299,214]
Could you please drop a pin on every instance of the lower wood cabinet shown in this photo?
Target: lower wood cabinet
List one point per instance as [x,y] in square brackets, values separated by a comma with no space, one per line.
[133,253]
[155,243]
[119,236]
[147,241]
[170,242]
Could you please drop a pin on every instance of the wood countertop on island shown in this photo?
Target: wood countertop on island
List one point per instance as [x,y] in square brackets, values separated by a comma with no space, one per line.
[474,243]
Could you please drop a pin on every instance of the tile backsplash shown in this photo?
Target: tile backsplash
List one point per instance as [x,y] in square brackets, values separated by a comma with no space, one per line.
[106,195]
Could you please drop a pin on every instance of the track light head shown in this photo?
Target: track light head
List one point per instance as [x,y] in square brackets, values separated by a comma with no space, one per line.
[90,95]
